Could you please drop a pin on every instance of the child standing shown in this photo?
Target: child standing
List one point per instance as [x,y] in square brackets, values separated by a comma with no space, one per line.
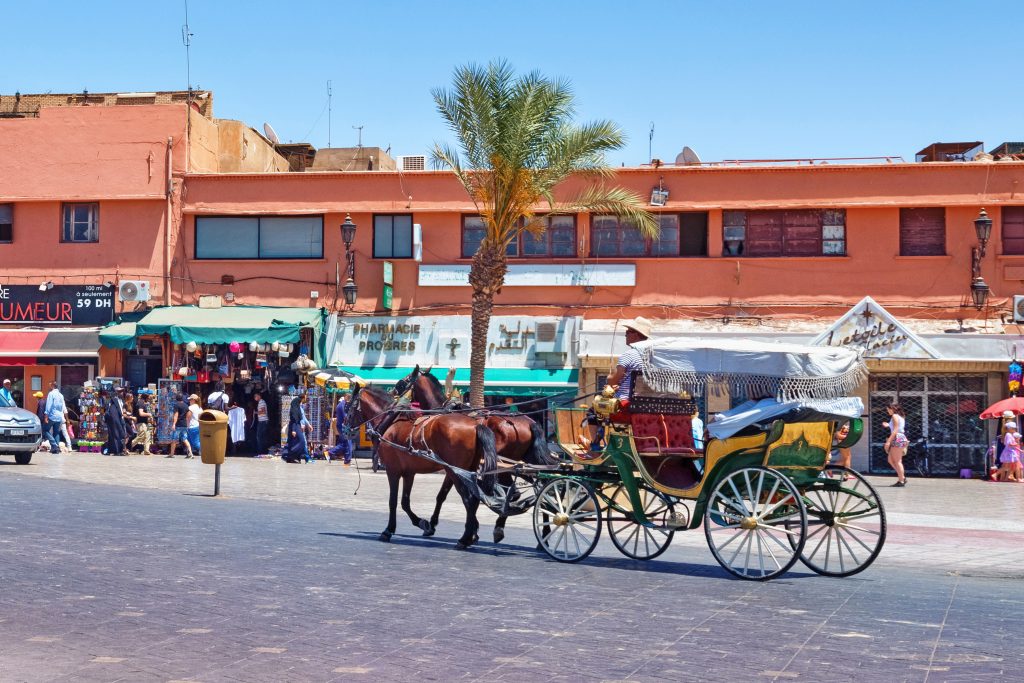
[1009,469]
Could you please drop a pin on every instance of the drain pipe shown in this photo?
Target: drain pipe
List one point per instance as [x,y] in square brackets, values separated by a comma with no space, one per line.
[168,222]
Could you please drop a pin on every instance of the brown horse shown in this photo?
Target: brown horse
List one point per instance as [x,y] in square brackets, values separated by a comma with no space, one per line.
[417,445]
[517,437]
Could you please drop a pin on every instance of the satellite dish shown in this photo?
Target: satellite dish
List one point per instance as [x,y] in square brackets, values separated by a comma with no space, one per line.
[687,157]
[272,135]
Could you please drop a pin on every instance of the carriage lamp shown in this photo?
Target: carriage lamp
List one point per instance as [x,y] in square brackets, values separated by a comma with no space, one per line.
[606,404]
[983,230]
[348,235]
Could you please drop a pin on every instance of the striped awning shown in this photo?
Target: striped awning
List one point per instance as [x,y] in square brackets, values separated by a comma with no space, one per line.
[27,347]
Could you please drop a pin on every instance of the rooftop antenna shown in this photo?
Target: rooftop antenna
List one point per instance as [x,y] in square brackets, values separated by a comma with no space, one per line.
[360,129]
[650,143]
[328,114]
[186,38]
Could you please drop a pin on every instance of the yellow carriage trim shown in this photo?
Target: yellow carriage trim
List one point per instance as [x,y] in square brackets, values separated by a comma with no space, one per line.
[803,445]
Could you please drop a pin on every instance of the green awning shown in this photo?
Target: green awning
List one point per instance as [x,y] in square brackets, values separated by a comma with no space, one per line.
[183,324]
[497,381]
[118,336]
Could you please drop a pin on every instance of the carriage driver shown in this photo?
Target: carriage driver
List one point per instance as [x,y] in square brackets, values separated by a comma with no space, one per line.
[637,330]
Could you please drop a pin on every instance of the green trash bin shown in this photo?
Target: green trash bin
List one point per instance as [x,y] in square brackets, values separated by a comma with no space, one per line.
[213,436]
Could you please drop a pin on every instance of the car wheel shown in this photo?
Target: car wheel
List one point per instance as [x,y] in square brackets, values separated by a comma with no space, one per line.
[23,458]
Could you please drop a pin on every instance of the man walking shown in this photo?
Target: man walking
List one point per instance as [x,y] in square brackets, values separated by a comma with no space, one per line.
[344,444]
[116,429]
[262,424]
[6,398]
[54,416]
[180,422]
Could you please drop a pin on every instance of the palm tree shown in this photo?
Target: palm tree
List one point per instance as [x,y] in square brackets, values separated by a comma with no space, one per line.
[517,143]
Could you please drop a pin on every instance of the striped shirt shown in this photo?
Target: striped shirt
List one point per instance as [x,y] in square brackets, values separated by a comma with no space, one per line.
[630,361]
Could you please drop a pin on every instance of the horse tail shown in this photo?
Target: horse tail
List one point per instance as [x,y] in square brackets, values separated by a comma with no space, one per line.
[538,453]
[487,451]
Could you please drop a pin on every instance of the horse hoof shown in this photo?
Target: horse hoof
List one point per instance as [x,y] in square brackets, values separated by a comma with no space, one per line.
[499,535]
[424,525]
[427,533]
[461,546]
[385,536]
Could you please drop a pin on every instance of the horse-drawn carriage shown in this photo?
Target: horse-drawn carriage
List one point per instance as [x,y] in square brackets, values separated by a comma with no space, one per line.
[759,481]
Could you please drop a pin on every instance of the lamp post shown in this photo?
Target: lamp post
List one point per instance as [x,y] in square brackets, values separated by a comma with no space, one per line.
[348,234]
[979,289]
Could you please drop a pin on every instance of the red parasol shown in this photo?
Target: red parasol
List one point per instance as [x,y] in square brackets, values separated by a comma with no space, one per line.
[1015,404]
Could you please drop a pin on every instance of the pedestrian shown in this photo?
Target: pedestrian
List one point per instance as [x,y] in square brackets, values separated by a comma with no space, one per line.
[194,411]
[1009,461]
[343,446]
[845,455]
[510,405]
[219,399]
[179,419]
[6,398]
[262,424]
[697,429]
[54,415]
[117,432]
[637,330]
[143,434]
[896,444]
[65,434]
[296,449]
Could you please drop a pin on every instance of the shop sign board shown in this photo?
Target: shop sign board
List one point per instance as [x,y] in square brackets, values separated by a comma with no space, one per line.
[872,330]
[387,298]
[444,341]
[539,275]
[59,305]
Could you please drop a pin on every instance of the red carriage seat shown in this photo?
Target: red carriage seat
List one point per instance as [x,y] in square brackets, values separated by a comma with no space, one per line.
[666,434]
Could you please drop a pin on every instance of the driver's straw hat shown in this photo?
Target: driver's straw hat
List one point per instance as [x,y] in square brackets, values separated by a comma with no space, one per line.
[641,325]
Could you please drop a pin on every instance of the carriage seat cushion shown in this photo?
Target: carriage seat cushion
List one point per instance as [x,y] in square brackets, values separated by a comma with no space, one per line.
[674,433]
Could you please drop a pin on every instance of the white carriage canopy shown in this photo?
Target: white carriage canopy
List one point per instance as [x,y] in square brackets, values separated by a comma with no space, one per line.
[755,369]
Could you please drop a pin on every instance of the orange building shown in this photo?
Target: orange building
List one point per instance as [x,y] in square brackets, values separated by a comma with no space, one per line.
[763,250]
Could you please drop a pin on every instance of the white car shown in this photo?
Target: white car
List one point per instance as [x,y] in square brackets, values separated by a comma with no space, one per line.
[20,434]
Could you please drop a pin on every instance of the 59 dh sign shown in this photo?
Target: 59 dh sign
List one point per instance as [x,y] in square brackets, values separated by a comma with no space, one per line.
[59,305]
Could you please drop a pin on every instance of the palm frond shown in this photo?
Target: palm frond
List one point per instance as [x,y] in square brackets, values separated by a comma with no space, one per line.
[616,201]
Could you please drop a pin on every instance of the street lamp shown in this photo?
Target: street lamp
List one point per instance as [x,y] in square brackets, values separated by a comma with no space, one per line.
[983,230]
[348,235]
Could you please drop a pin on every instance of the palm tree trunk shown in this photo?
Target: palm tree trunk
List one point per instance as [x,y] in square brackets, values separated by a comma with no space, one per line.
[486,277]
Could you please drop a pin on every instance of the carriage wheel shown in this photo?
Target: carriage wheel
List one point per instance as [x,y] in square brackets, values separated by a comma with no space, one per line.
[567,519]
[845,523]
[755,523]
[520,492]
[632,538]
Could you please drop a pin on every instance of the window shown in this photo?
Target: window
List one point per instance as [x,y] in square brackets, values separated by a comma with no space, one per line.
[392,236]
[681,234]
[558,240]
[923,232]
[1013,229]
[809,232]
[81,223]
[473,232]
[259,237]
[6,223]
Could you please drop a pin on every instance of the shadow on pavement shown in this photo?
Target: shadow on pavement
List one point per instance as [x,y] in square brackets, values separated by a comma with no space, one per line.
[712,571]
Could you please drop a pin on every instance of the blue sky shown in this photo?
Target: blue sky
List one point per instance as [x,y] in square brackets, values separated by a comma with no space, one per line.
[730,79]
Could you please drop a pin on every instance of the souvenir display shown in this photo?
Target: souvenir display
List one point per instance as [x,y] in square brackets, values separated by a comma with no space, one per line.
[91,427]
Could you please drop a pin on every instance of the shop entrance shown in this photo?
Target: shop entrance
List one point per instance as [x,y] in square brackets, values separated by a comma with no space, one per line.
[942,408]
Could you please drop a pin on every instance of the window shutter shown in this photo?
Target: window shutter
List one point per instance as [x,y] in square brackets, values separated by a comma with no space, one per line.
[1013,230]
[923,232]
[802,233]
[764,234]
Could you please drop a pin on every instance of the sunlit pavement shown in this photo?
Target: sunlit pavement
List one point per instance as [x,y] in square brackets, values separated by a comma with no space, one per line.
[125,569]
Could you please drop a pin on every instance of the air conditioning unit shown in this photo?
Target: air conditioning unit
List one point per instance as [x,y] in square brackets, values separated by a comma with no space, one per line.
[133,290]
[415,162]
[1018,308]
